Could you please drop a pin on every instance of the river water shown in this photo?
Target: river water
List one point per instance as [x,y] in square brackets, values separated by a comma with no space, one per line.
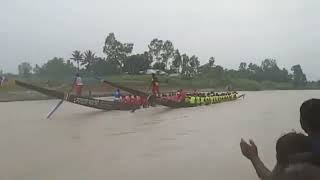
[202,143]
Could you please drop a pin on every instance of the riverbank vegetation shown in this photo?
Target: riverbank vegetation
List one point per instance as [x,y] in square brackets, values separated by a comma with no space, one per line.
[180,69]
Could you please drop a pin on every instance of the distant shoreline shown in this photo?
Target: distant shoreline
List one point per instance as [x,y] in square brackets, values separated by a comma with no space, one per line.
[28,95]
[10,92]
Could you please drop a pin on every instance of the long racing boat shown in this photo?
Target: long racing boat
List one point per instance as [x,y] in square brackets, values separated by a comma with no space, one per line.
[84,101]
[171,103]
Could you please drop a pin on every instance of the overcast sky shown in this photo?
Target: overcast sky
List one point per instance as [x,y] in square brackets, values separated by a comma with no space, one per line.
[230,30]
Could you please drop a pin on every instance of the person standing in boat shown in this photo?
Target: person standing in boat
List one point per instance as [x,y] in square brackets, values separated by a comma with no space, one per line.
[78,84]
[155,85]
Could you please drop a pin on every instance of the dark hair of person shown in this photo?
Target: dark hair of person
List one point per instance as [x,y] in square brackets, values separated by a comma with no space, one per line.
[290,144]
[310,116]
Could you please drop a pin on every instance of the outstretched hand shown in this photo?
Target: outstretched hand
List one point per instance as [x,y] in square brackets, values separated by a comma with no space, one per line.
[250,151]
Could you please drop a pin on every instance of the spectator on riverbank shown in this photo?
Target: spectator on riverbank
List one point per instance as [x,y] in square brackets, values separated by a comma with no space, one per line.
[287,145]
[310,123]
[298,156]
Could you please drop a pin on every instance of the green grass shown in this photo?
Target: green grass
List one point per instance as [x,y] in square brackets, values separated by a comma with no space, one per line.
[268,85]
[9,86]
[246,84]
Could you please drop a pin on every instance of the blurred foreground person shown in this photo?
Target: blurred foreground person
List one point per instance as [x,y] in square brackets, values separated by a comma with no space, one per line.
[310,123]
[286,146]
[298,156]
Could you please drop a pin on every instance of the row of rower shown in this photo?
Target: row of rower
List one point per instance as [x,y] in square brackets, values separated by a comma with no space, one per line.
[201,98]
[180,97]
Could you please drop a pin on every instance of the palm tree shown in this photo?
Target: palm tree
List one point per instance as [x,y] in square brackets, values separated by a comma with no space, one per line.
[77,57]
[89,59]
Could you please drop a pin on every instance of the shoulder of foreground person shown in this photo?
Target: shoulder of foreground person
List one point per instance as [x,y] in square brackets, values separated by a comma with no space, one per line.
[298,172]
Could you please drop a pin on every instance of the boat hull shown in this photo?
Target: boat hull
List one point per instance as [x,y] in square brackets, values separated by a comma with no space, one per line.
[160,101]
[84,101]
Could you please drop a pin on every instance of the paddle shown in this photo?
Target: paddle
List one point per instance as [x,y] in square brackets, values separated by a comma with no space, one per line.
[54,109]
[58,105]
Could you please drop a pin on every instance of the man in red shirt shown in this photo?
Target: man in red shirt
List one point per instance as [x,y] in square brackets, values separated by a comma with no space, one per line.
[78,84]
[155,85]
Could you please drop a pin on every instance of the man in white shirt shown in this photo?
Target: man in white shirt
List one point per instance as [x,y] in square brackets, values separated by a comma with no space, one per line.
[78,84]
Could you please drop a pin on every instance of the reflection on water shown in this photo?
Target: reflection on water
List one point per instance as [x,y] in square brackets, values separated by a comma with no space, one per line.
[155,143]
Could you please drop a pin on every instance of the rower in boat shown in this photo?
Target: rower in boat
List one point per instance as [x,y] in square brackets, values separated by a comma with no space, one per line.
[139,101]
[155,85]
[132,100]
[198,99]
[181,95]
[195,92]
[177,96]
[192,100]
[144,102]
[202,99]
[126,99]
[78,84]
[117,96]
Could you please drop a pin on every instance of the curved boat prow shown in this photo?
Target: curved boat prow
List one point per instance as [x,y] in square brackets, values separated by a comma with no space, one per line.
[241,96]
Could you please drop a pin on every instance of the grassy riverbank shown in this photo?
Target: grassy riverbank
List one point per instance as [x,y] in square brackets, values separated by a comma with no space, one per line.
[11,92]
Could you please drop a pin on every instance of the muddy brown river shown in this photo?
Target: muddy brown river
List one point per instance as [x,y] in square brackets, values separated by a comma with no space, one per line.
[202,143]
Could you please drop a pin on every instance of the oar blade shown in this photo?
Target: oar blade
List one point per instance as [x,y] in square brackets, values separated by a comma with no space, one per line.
[54,109]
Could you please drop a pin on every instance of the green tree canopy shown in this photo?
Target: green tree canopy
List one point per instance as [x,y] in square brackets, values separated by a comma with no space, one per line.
[211,61]
[162,52]
[243,67]
[104,67]
[77,56]
[88,59]
[136,63]
[155,48]
[25,69]
[177,62]
[167,53]
[116,51]
[56,68]
[190,66]
[299,78]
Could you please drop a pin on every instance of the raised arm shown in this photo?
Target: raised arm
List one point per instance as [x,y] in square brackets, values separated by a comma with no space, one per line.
[250,151]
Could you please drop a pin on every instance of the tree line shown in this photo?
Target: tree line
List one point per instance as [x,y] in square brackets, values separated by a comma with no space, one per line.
[161,55]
